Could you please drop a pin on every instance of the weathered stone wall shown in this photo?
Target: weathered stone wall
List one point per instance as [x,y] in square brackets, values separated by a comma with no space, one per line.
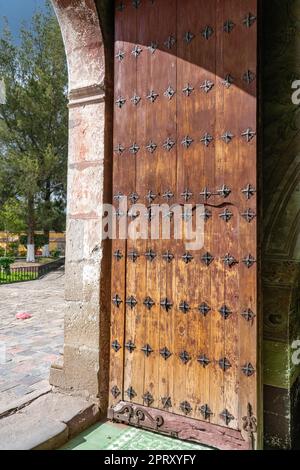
[281,199]
[86,350]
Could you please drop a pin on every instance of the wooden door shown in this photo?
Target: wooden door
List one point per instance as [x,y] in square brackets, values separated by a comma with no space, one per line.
[184,324]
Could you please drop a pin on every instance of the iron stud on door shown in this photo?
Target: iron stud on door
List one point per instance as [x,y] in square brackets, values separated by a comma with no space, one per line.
[147,350]
[205,411]
[203,360]
[165,353]
[115,391]
[227,417]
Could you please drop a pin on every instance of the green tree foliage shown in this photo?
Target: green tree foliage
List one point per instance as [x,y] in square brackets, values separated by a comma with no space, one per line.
[33,125]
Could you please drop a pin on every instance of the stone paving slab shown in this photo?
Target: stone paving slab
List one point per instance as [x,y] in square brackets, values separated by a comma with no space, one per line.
[29,347]
[47,423]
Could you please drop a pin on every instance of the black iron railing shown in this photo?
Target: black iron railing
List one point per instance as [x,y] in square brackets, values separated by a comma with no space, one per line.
[29,273]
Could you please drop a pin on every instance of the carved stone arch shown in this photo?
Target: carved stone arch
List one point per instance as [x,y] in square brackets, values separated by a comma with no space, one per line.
[87,34]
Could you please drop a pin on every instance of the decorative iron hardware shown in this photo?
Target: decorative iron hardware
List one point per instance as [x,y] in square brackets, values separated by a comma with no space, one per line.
[149,303]
[119,214]
[249,261]
[187,258]
[133,213]
[185,357]
[227,137]
[115,391]
[249,215]
[207,139]
[152,47]
[151,147]
[229,260]
[136,3]
[225,312]
[131,302]
[166,402]
[166,304]
[188,90]
[207,32]
[249,191]
[165,353]
[207,259]
[116,345]
[224,364]
[168,257]
[169,93]
[134,197]
[168,144]
[120,7]
[134,149]
[207,86]
[168,195]
[249,134]
[150,255]
[226,215]
[118,255]
[249,20]
[187,141]
[136,51]
[228,81]
[224,191]
[206,194]
[206,215]
[147,350]
[138,417]
[185,407]
[151,196]
[148,398]
[119,196]
[117,301]
[187,214]
[152,96]
[130,393]
[228,26]
[130,346]
[120,55]
[227,417]
[204,309]
[248,315]
[205,411]
[135,99]
[248,77]
[203,361]
[120,102]
[250,425]
[133,256]
[119,149]
[188,37]
[248,369]
[170,42]
[184,307]
[186,195]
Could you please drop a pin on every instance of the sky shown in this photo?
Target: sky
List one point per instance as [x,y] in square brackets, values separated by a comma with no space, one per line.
[17,11]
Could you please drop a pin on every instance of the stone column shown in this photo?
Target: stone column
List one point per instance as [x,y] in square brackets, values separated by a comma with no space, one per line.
[86,352]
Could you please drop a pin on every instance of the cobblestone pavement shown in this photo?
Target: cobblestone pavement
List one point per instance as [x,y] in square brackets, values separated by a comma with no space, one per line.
[28,347]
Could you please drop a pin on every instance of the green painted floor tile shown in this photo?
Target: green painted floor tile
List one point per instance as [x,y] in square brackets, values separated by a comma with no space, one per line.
[112,436]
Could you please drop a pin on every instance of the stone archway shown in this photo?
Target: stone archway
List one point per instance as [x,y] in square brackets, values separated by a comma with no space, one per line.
[85,364]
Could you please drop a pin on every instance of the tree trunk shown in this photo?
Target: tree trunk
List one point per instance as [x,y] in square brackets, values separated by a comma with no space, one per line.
[30,232]
[45,249]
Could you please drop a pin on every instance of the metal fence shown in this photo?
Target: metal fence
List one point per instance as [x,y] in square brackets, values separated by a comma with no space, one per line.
[29,273]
